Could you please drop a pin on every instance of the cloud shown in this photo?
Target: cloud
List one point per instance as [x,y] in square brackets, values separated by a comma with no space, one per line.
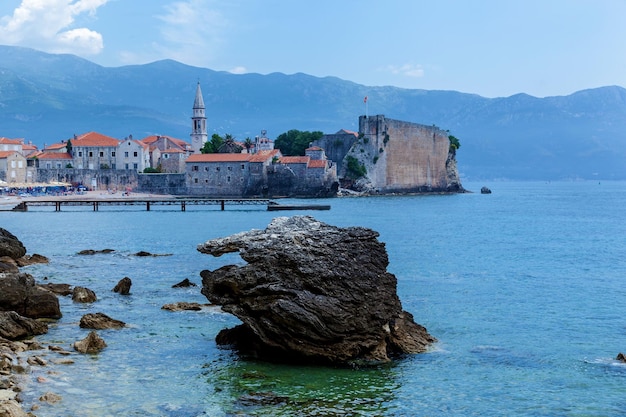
[238,70]
[408,70]
[47,25]
[190,31]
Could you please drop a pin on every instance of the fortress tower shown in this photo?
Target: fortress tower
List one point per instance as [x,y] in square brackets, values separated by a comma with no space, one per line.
[199,134]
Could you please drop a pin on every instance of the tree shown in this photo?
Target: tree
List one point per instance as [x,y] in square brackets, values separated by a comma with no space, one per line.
[229,145]
[213,145]
[454,143]
[295,142]
[68,147]
[248,144]
[355,169]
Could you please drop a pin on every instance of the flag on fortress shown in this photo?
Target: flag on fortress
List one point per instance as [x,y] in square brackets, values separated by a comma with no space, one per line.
[365,99]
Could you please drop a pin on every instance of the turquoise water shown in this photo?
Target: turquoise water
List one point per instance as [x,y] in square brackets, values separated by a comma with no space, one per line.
[524,289]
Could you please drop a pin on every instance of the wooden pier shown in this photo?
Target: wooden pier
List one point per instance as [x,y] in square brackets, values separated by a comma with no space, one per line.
[57,203]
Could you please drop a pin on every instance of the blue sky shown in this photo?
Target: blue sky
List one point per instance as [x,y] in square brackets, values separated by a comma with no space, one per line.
[494,48]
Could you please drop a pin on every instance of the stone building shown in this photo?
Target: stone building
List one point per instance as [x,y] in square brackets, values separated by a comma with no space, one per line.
[12,167]
[199,134]
[132,154]
[402,157]
[94,151]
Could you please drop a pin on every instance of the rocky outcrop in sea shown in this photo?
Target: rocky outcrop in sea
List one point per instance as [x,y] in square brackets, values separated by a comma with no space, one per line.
[311,293]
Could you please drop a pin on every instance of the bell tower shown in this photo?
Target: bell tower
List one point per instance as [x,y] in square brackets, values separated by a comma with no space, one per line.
[199,134]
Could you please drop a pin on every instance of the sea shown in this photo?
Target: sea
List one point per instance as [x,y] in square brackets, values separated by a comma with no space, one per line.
[524,288]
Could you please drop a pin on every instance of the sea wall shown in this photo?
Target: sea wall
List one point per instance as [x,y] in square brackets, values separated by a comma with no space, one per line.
[162,184]
[97,179]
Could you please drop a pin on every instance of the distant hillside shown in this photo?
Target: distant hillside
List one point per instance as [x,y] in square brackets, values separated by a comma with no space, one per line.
[45,98]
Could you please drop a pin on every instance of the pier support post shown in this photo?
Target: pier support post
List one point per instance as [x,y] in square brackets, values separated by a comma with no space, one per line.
[222,202]
[147,206]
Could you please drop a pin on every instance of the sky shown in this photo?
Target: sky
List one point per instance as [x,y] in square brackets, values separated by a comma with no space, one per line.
[493,48]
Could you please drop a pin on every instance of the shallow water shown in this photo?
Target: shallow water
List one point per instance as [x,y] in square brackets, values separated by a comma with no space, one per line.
[523,288]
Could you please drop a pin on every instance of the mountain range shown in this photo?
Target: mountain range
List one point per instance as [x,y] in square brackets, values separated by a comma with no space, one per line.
[46,98]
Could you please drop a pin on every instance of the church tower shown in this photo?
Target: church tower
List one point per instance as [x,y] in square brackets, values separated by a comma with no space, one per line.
[199,134]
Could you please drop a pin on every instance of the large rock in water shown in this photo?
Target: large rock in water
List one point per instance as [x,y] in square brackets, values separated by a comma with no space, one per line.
[19,293]
[10,245]
[311,292]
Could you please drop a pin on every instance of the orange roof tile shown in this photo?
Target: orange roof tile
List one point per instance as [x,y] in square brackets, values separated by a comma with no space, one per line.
[218,157]
[56,146]
[173,150]
[6,154]
[263,156]
[11,141]
[317,163]
[314,148]
[54,155]
[94,139]
[295,160]
[346,132]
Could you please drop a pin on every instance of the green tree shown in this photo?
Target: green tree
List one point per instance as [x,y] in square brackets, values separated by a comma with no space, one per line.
[295,142]
[454,143]
[229,145]
[248,144]
[68,146]
[213,145]
[355,169]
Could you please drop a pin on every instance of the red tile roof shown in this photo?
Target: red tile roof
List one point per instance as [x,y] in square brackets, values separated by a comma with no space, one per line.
[178,142]
[346,132]
[11,141]
[173,150]
[314,148]
[295,160]
[263,156]
[219,157]
[6,154]
[56,146]
[54,155]
[317,163]
[94,139]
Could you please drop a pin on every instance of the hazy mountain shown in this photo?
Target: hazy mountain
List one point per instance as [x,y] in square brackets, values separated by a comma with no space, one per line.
[45,98]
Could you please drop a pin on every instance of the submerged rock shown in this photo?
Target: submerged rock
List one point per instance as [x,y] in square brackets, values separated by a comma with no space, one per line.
[311,292]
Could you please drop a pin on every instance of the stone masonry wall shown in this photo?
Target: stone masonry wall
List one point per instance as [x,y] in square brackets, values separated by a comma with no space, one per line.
[402,156]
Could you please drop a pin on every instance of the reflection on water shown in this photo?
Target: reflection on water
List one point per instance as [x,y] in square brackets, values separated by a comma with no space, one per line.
[253,388]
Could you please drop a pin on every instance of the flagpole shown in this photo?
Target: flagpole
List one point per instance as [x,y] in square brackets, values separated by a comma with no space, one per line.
[365,101]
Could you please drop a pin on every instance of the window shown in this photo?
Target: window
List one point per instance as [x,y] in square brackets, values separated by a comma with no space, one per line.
[135,166]
[101,154]
[228,179]
[113,154]
[12,164]
[125,154]
[80,153]
[194,168]
[90,154]
[195,180]
[126,166]
[19,164]
[135,154]
[206,169]
[58,165]
[166,155]
[243,166]
[217,168]
[48,165]
[230,168]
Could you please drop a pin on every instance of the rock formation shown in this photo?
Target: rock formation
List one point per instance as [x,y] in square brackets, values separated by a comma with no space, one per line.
[19,293]
[10,245]
[123,286]
[14,327]
[90,344]
[311,292]
[83,295]
[100,321]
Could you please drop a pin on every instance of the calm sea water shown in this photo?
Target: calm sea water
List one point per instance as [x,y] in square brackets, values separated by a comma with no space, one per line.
[524,289]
